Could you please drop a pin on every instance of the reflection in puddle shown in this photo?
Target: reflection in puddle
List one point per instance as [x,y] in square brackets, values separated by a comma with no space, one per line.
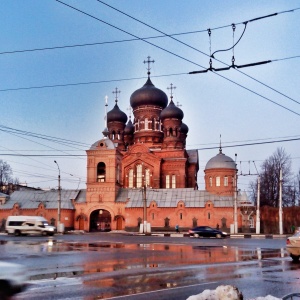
[115,269]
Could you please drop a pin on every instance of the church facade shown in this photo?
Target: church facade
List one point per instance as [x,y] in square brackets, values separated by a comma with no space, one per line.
[140,172]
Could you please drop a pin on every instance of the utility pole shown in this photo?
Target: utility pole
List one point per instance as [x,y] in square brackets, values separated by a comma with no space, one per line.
[258,206]
[235,222]
[145,208]
[59,200]
[280,202]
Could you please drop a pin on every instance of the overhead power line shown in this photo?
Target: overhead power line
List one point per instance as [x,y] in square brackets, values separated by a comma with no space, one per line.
[236,67]
[143,39]
[199,149]
[136,39]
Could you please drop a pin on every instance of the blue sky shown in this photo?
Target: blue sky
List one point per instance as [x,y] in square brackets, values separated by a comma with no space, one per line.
[238,106]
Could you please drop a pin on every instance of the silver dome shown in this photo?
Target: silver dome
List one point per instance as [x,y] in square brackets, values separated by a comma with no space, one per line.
[105,143]
[220,161]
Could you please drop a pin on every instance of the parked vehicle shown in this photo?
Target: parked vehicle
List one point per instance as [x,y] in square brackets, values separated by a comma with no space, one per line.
[206,231]
[23,225]
[293,246]
[13,279]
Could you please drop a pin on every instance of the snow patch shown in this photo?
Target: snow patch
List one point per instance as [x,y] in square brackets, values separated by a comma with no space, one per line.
[225,292]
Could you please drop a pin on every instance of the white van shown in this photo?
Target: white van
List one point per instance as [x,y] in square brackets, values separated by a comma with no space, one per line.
[23,225]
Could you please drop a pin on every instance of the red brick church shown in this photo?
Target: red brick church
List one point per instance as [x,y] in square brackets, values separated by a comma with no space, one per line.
[141,172]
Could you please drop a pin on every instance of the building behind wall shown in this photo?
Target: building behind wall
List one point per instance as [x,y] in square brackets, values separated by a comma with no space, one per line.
[141,160]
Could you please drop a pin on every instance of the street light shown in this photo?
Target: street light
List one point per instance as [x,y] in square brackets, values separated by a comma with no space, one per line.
[59,199]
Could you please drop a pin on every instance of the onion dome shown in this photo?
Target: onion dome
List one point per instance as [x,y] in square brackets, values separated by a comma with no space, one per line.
[129,128]
[171,112]
[184,128]
[220,161]
[116,115]
[148,95]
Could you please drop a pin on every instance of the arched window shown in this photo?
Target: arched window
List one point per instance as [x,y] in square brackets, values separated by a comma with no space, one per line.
[210,181]
[225,181]
[153,124]
[147,177]
[118,173]
[139,176]
[146,124]
[167,181]
[218,181]
[173,181]
[101,169]
[130,179]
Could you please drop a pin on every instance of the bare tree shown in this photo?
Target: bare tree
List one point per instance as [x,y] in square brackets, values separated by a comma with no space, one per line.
[7,182]
[270,180]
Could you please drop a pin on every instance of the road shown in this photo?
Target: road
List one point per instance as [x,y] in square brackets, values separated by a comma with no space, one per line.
[120,266]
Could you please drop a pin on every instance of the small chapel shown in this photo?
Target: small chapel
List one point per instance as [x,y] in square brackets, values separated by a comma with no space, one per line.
[140,175]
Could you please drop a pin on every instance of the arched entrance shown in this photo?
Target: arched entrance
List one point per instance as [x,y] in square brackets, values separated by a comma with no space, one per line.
[100,220]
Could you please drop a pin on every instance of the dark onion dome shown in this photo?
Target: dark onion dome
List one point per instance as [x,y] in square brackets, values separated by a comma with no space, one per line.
[129,128]
[148,95]
[220,161]
[171,112]
[184,128]
[116,115]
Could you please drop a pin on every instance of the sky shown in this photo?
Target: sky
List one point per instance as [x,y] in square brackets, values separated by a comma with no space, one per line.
[59,59]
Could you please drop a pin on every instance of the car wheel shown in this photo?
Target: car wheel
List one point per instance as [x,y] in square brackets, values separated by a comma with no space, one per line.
[44,233]
[50,233]
[196,235]
[17,232]
[218,236]
[295,258]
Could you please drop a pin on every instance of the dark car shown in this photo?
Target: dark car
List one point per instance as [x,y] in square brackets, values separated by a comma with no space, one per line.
[206,231]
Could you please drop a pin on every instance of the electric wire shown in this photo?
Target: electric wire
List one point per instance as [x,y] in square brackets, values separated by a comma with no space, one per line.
[199,149]
[115,80]
[165,35]
[255,19]
[135,39]
[212,56]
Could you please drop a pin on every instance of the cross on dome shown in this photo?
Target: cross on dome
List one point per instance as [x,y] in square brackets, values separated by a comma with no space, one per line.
[171,88]
[148,61]
[129,111]
[220,150]
[116,91]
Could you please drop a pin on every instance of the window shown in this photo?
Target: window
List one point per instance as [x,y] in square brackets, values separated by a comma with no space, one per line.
[208,216]
[147,177]
[139,177]
[101,172]
[153,124]
[218,181]
[167,181]
[130,178]
[210,181]
[173,181]
[118,173]
[180,216]
[146,124]
[225,181]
